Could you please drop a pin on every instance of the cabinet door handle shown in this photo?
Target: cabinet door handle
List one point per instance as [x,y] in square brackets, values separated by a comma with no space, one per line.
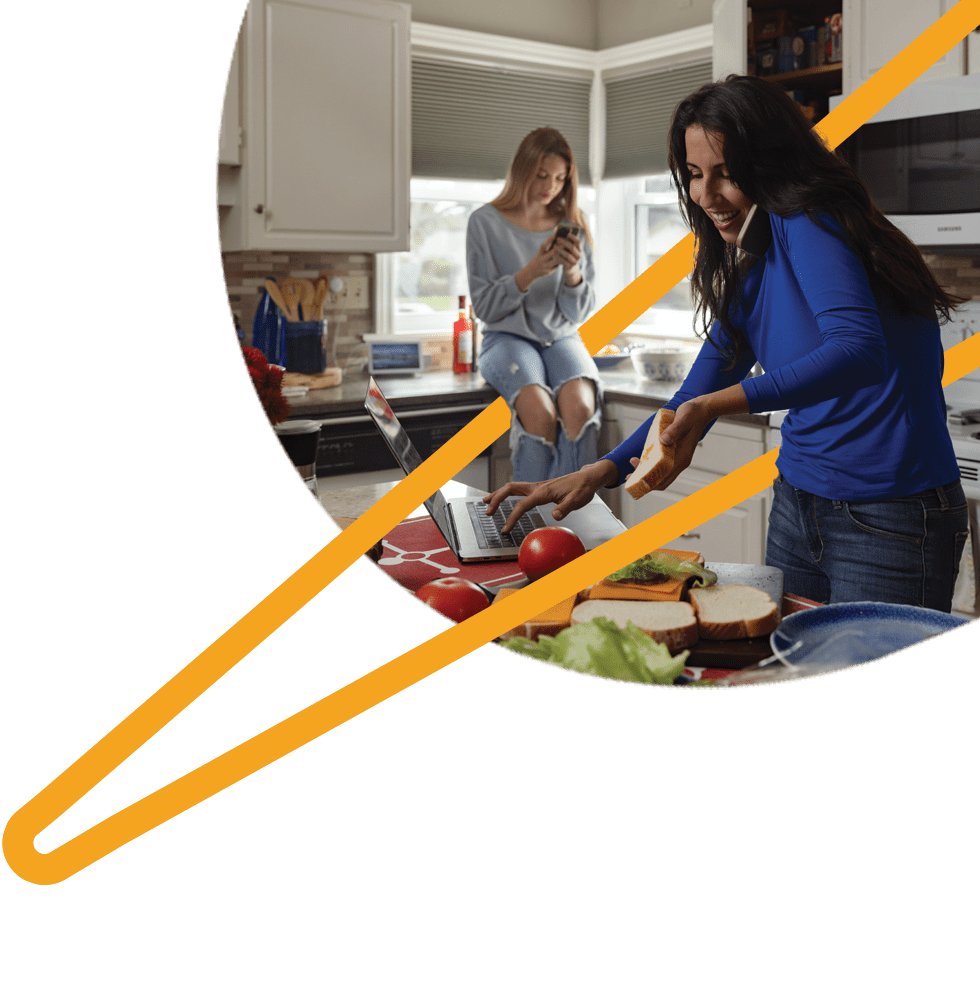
[692,535]
[259,208]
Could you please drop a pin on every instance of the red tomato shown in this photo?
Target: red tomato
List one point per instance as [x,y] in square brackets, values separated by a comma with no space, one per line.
[456,598]
[545,549]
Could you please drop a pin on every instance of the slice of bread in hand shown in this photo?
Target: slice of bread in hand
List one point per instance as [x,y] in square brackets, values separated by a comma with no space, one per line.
[657,460]
[670,622]
[734,611]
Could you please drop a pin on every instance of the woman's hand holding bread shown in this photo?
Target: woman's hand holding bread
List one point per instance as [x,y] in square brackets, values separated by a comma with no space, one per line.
[691,420]
[683,434]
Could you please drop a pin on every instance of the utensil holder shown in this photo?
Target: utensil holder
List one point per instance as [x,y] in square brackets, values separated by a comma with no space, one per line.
[306,346]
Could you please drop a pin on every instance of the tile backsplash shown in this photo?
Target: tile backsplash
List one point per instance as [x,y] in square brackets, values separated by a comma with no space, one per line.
[959,274]
[246,272]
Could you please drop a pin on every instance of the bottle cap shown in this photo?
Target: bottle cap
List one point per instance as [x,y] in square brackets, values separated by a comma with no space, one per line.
[462,301]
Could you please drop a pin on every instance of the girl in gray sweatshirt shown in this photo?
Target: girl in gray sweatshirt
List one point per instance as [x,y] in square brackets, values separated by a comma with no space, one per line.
[531,290]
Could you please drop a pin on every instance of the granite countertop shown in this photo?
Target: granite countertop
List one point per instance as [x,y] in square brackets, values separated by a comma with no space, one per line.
[352,502]
[443,389]
[438,389]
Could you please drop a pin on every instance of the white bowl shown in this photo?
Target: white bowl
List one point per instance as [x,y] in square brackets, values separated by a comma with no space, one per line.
[663,363]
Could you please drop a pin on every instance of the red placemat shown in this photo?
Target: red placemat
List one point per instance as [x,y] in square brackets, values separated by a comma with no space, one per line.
[415,553]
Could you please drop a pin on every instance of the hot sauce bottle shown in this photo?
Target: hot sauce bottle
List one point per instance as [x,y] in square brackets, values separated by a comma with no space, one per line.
[462,341]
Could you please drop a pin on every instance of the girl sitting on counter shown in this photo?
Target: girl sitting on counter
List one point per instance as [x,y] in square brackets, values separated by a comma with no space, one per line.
[840,309]
[531,290]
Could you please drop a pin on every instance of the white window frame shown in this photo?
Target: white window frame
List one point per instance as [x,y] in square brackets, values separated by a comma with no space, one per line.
[498,51]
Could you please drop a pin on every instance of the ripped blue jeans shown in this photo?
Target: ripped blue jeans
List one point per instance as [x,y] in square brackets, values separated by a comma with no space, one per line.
[509,363]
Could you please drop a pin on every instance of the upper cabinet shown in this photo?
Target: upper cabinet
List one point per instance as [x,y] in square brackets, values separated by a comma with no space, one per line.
[882,28]
[864,36]
[325,135]
[798,44]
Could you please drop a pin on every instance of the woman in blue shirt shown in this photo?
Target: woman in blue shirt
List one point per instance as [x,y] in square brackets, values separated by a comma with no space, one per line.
[842,314]
[532,290]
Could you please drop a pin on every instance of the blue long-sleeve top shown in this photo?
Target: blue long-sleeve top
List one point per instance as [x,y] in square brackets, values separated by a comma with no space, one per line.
[867,416]
[496,250]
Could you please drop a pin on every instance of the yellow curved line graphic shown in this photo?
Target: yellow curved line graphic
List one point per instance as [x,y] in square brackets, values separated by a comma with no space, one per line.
[407,669]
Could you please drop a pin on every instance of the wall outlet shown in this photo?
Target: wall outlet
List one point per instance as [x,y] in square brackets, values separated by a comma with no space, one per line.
[338,291]
[357,293]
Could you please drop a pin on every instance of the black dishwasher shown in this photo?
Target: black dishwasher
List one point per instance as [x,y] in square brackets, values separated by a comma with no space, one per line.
[354,445]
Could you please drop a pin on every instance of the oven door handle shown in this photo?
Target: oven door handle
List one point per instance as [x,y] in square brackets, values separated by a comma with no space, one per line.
[401,415]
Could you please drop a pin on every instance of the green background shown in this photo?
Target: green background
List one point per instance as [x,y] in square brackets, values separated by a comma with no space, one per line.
[500,826]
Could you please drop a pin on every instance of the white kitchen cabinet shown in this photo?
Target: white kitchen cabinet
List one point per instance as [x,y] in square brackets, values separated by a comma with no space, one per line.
[325,106]
[735,536]
[877,30]
[229,142]
[729,51]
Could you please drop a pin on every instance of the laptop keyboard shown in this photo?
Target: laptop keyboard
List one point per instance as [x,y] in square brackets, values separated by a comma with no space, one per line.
[487,529]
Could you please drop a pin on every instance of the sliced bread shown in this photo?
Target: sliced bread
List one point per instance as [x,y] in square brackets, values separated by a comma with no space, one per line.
[734,611]
[657,460]
[669,622]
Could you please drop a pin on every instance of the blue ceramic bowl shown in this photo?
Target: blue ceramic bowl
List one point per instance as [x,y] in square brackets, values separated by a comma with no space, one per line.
[609,361]
[839,635]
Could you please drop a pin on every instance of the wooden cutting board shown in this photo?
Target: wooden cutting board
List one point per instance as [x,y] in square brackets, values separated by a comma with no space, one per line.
[735,654]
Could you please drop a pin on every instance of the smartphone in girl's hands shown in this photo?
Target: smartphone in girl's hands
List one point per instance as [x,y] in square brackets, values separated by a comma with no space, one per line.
[564,230]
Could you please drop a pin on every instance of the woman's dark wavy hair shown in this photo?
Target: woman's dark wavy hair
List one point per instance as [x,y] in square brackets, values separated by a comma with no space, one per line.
[780,163]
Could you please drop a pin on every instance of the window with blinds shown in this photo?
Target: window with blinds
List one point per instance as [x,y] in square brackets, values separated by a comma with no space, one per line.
[467,120]
[638,114]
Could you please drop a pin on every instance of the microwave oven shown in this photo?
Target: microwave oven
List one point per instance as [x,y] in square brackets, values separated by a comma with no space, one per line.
[919,157]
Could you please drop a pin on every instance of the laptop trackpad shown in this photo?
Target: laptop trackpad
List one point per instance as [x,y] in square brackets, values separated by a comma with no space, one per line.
[594,523]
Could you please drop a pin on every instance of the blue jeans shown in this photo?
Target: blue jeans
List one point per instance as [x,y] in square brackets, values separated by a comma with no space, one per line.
[904,550]
[509,363]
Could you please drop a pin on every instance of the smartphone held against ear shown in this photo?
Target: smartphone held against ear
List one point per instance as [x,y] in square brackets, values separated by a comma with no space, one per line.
[756,234]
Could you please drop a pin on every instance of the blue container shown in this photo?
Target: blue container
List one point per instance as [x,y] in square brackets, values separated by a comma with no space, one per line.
[305,350]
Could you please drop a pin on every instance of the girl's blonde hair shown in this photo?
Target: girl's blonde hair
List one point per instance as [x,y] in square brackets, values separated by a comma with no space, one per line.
[540,143]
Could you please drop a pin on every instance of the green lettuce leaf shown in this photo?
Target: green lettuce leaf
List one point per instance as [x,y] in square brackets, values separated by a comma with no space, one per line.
[657,567]
[603,649]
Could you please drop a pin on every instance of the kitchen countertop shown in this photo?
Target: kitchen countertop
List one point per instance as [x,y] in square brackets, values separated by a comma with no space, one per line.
[443,389]
[352,502]
[438,389]
[625,387]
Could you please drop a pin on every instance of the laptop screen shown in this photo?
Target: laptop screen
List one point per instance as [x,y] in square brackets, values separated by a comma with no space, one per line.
[405,453]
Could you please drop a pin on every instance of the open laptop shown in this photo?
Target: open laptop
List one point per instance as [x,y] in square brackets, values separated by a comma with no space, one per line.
[463,521]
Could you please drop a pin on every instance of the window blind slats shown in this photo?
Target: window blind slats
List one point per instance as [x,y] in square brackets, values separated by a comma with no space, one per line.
[467,121]
[638,114]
